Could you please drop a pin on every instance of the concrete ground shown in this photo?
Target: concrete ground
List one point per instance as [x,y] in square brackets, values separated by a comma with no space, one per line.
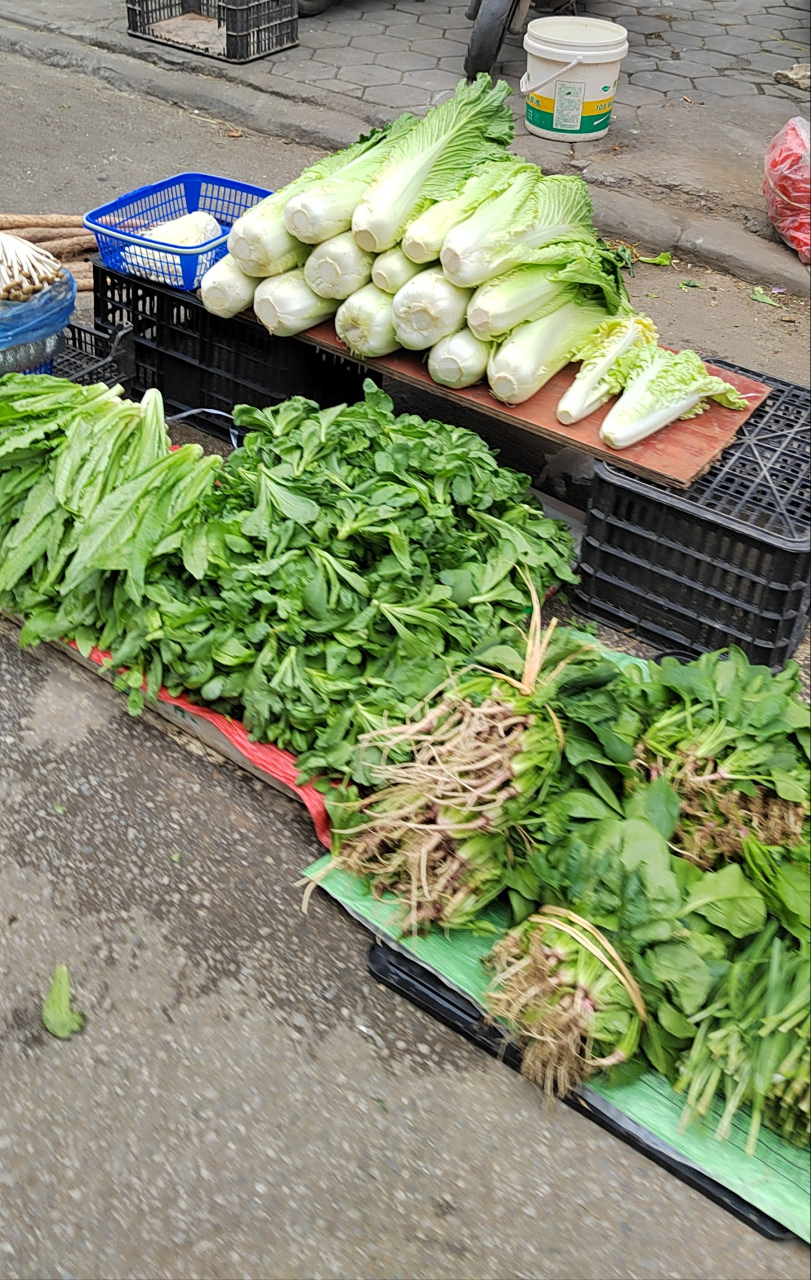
[245,1100]
[681,165]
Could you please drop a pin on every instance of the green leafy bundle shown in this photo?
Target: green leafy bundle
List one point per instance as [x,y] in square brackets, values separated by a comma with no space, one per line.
[346,561]
[752,1043]
[87,483]
[445,831]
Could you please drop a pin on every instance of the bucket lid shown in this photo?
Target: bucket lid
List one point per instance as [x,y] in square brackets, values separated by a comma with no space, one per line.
[567,31]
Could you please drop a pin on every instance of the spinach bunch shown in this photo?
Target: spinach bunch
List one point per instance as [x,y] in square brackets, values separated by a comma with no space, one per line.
[345,563]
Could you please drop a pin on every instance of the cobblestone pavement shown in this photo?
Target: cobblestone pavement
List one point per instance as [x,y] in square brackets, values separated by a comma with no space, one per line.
[396,55]
[410,53]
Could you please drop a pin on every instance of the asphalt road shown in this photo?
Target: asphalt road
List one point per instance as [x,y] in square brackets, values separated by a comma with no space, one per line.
[245,1100]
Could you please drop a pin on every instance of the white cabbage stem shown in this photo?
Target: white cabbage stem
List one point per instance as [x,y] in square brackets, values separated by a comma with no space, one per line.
[622,426]
[428,308]
[392,270]
[324,210]
[261,243]
[226,290]
[286,304]
[535,351]
[364,322]
[337,268]
[459,360]
[498,306]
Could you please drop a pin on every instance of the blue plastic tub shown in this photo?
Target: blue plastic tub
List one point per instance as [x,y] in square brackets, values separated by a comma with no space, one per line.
[119,226]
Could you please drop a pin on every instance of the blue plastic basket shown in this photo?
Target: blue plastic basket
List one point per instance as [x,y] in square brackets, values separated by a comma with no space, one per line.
[119,226]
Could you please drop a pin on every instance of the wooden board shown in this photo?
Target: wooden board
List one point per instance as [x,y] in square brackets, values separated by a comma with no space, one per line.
[677,455]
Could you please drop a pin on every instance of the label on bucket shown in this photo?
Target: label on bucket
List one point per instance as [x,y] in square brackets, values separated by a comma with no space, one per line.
[568,104]
[568,111]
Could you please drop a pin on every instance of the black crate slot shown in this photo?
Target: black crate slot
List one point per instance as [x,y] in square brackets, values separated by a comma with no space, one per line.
[725,563]
[424,988]
[95,355]
[200,361]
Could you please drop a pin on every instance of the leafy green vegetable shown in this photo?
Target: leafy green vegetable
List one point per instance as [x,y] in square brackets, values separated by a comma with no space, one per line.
[729,900]
[431,160]
[57,1015]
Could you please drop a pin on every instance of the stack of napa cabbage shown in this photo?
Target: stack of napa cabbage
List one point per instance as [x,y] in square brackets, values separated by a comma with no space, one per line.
[430,235]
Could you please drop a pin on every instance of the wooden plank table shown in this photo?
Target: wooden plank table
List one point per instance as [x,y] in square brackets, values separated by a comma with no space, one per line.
[676,456]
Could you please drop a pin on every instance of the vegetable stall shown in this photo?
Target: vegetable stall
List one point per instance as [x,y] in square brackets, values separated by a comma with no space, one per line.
[608,856]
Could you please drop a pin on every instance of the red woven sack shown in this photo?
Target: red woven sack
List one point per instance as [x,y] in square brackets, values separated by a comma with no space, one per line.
[787,186]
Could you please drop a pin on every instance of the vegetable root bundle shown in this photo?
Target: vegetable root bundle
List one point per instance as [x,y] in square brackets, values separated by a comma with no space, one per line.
[445,833]
[433,836]
[563,991]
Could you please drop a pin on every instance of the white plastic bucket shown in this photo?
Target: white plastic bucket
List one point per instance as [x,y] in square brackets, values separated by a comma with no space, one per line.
[573,64]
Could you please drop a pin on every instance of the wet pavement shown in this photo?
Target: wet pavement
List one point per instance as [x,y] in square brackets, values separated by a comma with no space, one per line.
[245,1100]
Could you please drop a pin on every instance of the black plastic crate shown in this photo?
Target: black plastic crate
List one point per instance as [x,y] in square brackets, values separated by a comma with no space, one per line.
[95,355]
[200,361]
[231,30]
[728,561]
[424,988]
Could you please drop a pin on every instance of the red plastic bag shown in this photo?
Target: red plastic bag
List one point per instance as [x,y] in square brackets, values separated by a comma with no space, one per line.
[787,186]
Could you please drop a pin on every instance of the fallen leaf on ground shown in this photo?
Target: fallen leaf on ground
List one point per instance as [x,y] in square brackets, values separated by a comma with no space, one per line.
[758,295]
[57,1015]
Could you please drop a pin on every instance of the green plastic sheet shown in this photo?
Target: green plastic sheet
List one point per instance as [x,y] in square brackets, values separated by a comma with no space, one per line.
[775,1180]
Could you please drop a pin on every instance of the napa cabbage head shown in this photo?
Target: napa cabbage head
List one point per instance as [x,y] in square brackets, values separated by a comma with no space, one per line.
[424,237]
[660,387]
[260,240]
[573,270]
[535,351]
[507,230]
[324,208]
[602,372]
[430,162]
